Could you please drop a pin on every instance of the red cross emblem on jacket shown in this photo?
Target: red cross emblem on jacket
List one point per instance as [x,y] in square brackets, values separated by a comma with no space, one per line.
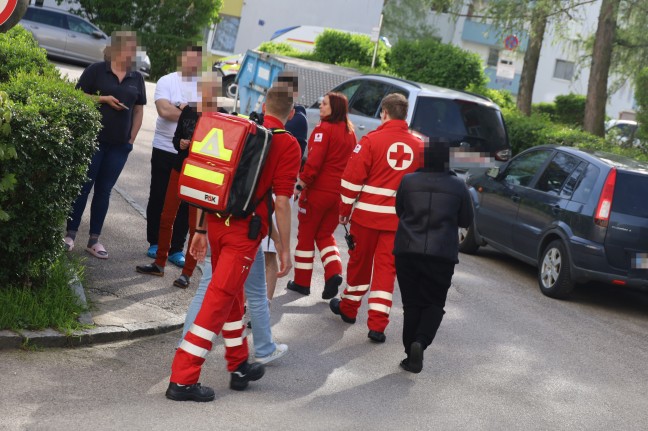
[399,156]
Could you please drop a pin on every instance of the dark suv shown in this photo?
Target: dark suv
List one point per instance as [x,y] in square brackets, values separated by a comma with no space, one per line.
[578,216]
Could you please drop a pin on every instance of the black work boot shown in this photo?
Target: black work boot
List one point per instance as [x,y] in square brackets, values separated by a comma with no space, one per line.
[414,361]
[331,286]
[298,288]
[244,374]
[377,337]
[194,392]
[334,305]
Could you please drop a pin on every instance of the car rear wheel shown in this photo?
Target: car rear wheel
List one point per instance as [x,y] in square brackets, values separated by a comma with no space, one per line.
[554,276]
[467,242]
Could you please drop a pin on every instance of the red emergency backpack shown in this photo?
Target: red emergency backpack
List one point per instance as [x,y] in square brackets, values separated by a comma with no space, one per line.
[225,161]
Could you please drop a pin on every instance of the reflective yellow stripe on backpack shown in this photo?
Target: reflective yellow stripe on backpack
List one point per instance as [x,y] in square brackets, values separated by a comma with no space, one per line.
[203,174]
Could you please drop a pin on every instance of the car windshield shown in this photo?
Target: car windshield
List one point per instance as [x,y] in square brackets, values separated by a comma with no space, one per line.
[460,120]
[628,196]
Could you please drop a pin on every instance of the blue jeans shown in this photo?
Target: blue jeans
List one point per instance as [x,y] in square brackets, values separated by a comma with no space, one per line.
[103,172]
[256,294]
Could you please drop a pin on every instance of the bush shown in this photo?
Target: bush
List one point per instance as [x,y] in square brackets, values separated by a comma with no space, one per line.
[544,108]
[335,47]
[431,62]
[526,132]
[570,109]
[19,51]
[285,49]
[7,150]
[54,128]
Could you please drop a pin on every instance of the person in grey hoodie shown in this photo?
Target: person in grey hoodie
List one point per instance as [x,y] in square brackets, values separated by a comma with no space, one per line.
[431,203]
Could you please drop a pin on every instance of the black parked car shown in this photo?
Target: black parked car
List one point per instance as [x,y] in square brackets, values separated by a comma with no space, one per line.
[578,216]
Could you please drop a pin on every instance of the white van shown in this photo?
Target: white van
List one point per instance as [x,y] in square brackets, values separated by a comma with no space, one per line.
[302,37]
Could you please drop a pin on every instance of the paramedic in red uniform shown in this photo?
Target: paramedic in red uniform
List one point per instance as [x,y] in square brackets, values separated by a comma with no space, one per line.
[232,255]
[318,188]
[370,180]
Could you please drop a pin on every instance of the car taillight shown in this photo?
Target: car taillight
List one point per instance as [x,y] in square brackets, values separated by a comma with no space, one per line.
[503,155]
[602,215]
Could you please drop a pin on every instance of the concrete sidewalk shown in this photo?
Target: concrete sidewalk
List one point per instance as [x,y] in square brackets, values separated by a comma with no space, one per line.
[123,304]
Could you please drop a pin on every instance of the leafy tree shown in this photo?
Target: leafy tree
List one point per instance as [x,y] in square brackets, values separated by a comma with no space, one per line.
[407,19]
[165,27]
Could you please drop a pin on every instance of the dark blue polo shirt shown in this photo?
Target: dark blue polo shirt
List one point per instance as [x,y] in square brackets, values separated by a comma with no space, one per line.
[98,78]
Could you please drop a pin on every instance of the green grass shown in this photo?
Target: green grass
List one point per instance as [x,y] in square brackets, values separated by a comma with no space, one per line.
[52,304]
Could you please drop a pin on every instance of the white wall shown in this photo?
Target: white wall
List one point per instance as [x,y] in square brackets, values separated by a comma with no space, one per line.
[353,15]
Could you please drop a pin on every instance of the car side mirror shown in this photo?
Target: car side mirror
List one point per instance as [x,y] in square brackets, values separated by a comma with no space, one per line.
[493,172]
[98,35]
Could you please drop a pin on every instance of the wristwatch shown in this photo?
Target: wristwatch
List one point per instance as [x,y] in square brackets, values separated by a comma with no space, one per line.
[177,105]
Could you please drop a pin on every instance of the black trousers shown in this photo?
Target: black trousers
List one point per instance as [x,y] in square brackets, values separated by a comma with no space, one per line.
[424,282]
[161,165]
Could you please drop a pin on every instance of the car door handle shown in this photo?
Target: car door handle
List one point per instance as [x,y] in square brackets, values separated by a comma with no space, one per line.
[72,35]
[515,198]
[361,127]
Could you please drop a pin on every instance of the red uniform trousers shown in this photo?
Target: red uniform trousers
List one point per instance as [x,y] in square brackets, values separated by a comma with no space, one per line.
[318,217]
[373,252]
[171,204]
[222,309]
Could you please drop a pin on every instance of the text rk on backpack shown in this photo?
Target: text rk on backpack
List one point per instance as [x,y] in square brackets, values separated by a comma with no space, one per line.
[225,161]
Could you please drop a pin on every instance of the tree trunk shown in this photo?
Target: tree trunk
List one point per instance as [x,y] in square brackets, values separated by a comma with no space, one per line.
[531,59]
[600,69]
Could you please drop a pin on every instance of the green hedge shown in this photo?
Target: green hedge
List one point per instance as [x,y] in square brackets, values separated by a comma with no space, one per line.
[570,109]
[432,62]
[337,47]
[566,109]
[526,132]
[19,51]
[285,49]
[53,131]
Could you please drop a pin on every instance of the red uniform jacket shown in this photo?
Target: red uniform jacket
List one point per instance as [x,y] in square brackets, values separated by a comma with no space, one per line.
[329,148]
[279,172]
[374,172]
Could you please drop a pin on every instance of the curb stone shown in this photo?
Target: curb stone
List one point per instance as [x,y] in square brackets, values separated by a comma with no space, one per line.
[98,335]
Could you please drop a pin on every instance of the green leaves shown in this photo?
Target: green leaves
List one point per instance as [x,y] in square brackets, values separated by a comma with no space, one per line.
[432,62]
[336,47]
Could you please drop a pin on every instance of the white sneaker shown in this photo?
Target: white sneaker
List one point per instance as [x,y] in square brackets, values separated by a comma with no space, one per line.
[280,350]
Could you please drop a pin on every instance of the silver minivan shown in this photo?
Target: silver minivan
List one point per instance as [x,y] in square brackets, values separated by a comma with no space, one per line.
[470,121]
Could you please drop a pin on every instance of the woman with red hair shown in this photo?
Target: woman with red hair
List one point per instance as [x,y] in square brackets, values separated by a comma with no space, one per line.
[318,188]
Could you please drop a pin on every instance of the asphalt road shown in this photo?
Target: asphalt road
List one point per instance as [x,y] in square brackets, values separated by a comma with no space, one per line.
[506,357]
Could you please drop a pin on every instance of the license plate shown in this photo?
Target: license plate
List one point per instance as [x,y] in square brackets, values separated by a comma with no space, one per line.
[639,261]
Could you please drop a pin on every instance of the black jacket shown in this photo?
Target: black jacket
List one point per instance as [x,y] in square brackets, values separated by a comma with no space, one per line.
[431,207]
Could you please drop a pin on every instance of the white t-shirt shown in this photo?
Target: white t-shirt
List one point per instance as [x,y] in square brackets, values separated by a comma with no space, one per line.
[174,88]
